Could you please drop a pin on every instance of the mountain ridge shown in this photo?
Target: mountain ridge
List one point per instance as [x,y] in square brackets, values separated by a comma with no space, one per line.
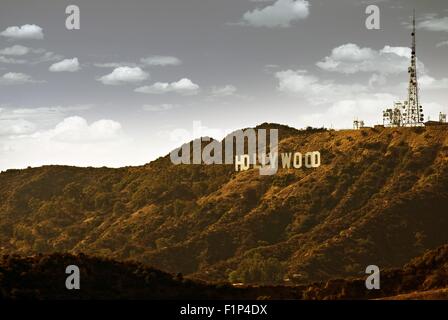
[378,198]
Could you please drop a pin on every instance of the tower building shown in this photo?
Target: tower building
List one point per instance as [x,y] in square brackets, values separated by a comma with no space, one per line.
[412,110]
[408,113]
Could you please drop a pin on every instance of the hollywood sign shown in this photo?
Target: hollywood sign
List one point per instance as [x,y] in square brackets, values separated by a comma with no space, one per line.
[288,160]
[260,154]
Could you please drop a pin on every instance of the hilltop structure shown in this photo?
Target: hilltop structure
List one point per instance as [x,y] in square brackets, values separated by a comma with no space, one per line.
[408,113]
[358,124]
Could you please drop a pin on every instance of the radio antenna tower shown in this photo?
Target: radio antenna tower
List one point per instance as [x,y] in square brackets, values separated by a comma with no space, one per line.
[413,111]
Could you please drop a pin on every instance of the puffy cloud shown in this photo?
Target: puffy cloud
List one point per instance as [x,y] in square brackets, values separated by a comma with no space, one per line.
[22,121]
[301,83]
[76,129]
[350,58]
[351,52]
[16,50]
[161,61]
[14,78]
[280,14]
[224,91]
[67,65]
[73,141]
[27,31]
[434,24]
[124,75]
[183,86]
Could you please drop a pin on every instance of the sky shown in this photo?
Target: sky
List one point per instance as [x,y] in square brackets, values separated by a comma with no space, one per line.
[139,78]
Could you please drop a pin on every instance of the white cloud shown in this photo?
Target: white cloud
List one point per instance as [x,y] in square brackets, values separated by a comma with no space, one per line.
[224,91]
[160,107]
[161,61]
[9,60]
[280,14]
[67,65]
[16,127]
[76,129]
[27,31]
[434,24]
[34,56]
[16,50]
[115,64]
[73,141]
[183,86]
[22,121]
[351,52]
[310,87]
[14,78]
[47,56]
[124,75]
[350,58]
[429,83]
[366,107]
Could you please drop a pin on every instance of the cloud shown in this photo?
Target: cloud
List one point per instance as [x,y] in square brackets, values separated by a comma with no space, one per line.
[47,57]
[38,55]
[16,127]
[22,121]
[41,114]
[124,75]
[367,107]
[161,61]
[76,129]
[183,86]
[429,83]
[224,91]
[16,50]
[15,78]
[350,58]
[67,65]
[434,24]
[115,64]
[340,114]
[8,60]
[27,31]
[280,14]
[160,107]
[72,141]
[314,90]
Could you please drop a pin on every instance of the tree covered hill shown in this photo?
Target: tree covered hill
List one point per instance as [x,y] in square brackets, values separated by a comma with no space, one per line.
[43,277]
[379,197]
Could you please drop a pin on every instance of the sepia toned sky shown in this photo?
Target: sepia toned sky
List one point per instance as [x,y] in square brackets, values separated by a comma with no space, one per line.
[131,84]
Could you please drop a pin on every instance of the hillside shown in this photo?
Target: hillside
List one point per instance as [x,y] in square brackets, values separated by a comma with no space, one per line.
[379,197]
[42,277]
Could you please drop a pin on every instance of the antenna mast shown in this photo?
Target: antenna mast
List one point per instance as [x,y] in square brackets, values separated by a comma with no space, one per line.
[413,111]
